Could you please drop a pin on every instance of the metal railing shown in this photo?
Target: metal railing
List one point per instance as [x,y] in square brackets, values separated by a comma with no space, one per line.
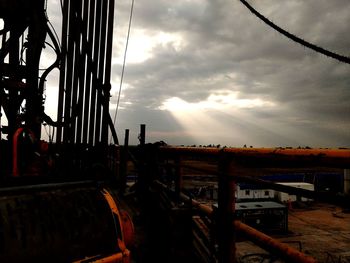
[232,165]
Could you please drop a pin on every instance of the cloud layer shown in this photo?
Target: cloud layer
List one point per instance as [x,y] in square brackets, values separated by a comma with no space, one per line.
[194,50]
[210,72]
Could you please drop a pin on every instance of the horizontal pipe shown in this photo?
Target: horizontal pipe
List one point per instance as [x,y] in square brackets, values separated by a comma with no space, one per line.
[332,153]
[272,245]
[203,208]
[326,197]
[328,157]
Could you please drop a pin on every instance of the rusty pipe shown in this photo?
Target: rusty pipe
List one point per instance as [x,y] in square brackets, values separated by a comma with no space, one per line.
[272,245]
[19,131]
[331,157]
[333,153]
[207,210]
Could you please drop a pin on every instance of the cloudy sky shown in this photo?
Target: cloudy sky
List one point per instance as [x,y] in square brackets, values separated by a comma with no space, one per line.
[210,72]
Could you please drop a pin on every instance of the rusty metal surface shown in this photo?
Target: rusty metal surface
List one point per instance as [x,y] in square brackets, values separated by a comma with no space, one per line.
[284,251]
[60,225]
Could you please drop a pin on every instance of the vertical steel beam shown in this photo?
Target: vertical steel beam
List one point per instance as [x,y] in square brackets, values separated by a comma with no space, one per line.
[82,71]
[78,67]
[225,213]
[85,74]
[101,70]
[63,69]
[124,162]
[36,39]
[67,133]
[178,177]
[107,80]
[88,76]
[142,134]
[13,93]
[95,81]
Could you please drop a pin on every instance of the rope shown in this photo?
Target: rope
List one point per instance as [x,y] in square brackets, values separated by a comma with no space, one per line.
[124,62]
[304,43]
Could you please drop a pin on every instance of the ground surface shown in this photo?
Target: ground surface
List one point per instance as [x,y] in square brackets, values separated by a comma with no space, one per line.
[323,231]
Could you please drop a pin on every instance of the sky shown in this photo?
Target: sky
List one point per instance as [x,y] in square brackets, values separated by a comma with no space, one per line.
[202,72]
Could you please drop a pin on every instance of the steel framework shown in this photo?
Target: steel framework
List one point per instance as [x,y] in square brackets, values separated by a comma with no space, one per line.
[83,107]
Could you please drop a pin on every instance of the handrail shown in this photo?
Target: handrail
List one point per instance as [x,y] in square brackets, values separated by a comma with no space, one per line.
[231,165]
[284,251]
[270,244]
[329,157]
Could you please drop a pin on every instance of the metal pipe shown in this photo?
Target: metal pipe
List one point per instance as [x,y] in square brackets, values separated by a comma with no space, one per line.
[102,24]
[89,67]
[225,212]
[107,74]
[178,177]
[278,156]
[272,245]
[207,210]
[15,170]
[320,196]
[68,82]
[326,197]
[95,81]
[124,161]
[77,68]
[63,68]
[82,28]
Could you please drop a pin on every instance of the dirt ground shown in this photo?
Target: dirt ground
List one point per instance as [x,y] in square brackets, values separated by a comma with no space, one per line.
[321,231]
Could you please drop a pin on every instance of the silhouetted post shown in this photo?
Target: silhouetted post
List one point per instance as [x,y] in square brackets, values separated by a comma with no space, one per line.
[347,182]
[142,137]
[124,162]
[178,177]
[143,164]
[225,212]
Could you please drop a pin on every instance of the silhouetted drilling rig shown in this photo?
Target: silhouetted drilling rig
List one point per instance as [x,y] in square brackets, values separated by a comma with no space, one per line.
[52,208]
[84,61]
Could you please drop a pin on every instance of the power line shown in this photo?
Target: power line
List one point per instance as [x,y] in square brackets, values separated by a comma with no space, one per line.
[124,60]
[314,47]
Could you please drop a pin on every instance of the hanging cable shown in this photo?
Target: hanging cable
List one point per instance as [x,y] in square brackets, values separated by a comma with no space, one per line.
[123,68]
[51,27]
[61,6]
[316,48]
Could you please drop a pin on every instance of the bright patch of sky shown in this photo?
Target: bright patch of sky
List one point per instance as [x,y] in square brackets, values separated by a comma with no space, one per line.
[218,101]
[142,44]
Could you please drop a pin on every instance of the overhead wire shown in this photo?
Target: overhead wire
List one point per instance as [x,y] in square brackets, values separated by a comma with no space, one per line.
[124,62]
[293,37]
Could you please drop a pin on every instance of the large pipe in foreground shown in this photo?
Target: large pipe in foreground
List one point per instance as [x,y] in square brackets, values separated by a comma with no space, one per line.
[268,243]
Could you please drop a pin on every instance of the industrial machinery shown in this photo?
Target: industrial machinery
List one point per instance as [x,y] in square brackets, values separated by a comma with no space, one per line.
[53,206]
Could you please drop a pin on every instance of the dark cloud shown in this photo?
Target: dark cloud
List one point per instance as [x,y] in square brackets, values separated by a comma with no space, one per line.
[223,47]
